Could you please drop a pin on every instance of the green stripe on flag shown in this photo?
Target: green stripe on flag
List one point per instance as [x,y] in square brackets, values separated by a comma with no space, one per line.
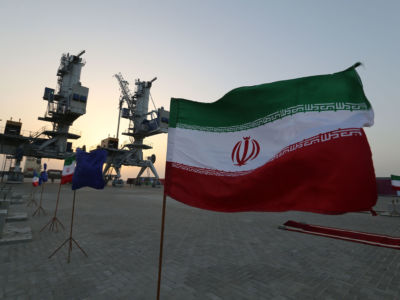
[395,177]
[268,102]
[69,161]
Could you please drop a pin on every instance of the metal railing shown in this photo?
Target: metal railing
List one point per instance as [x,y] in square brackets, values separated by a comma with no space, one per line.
[35,134]
[39,132]
[26,133]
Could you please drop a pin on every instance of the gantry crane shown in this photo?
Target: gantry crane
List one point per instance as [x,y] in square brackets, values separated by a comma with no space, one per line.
[142,123]
[64,106]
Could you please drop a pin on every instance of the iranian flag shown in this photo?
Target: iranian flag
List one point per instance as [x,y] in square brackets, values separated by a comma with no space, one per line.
[68,170]
[396,183]
[289,145]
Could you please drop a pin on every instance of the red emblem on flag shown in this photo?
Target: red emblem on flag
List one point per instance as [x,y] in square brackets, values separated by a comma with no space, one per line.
[240,158]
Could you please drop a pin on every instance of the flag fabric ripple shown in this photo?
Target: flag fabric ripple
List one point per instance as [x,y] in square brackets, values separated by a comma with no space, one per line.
[290,145]
[89,169]
[68,170]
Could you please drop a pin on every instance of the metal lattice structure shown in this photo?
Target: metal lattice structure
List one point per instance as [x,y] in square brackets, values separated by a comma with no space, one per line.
[142,123]
[64,105]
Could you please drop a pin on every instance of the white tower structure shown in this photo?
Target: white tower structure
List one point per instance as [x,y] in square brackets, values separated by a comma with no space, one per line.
[66,104]
[142,123]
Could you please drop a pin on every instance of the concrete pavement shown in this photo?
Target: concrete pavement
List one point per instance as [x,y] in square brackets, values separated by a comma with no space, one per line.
[207,255]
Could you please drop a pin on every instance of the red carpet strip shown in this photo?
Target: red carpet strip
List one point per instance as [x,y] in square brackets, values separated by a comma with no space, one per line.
[373,239]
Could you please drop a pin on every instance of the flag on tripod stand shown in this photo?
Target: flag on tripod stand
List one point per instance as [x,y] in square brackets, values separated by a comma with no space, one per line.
[89,169]
[68,170]
[88,172]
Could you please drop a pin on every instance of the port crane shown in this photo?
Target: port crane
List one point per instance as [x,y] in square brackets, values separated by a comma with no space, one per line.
[143,123]
[65,104]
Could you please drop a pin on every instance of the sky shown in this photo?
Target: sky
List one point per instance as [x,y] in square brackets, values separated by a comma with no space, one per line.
[198,50]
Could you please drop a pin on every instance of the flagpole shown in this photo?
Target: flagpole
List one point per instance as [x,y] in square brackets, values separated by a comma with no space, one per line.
[70,239]
[72,224]
[55,221]
[58,198]
[40,208]
[32,198]
[161,245]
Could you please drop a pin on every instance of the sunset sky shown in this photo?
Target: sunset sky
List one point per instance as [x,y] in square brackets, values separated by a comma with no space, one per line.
[199,50]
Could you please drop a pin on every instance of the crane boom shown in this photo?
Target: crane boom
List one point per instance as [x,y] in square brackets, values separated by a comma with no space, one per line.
[142,124]
[126,93]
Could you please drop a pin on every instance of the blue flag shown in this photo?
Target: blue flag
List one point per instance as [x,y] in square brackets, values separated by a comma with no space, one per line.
[43,175]
[89,169]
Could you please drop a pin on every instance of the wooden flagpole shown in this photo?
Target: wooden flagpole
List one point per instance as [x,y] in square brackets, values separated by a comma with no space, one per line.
[161,245]
[70,239]
[54,221]
[40,208]
[32,198]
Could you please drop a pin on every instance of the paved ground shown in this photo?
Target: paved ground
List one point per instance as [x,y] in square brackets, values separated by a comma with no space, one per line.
[207,255]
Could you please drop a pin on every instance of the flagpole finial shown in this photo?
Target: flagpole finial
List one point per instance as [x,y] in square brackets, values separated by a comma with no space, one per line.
[357,64]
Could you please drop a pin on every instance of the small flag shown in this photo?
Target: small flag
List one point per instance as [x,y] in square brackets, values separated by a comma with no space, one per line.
[35,179]
[89,169]
[290,145]
[68,170]
[43,175]
[396,183]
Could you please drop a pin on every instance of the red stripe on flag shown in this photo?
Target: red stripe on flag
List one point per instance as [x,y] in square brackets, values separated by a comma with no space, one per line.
[66,178]
[343,234]
[332,177]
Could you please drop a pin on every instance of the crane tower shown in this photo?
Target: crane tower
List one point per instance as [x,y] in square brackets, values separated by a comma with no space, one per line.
[143,123]
[65,104]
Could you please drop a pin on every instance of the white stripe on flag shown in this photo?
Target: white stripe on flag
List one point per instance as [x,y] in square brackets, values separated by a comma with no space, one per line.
[396,183]
[213,150]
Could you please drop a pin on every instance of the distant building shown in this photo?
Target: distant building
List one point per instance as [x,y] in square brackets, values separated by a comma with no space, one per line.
[110,143]
[54,174]
[384,186]
[144,181]
[31,164]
